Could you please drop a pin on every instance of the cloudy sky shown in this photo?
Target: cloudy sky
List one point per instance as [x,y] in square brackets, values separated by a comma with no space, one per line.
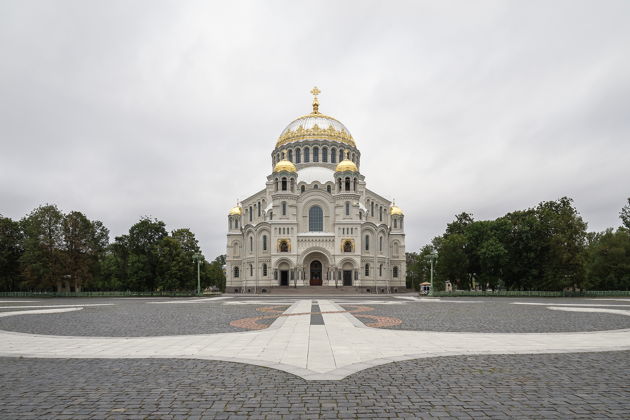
[122,109]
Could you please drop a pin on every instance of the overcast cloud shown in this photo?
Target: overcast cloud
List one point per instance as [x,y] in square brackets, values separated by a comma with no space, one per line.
[171,109]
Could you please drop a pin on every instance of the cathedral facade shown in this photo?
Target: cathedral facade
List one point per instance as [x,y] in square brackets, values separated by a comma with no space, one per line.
[315,223]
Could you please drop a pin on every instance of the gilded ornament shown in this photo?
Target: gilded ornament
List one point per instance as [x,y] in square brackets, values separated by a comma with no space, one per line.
[316,133]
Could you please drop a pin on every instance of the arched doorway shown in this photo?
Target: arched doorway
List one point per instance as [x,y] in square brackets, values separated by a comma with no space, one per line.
[316,273]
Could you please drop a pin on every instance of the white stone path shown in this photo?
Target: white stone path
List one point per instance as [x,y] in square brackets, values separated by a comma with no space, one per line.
[315,352]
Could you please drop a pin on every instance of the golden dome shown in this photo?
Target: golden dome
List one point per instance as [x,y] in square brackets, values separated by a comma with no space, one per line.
[315,126]
[346,165]
[236,211]
[285,165]
[395,210]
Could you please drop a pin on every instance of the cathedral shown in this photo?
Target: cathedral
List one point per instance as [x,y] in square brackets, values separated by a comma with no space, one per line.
[315,223]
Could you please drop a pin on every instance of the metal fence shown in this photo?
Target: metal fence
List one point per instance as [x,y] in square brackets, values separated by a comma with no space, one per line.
[534,293]
[100,294]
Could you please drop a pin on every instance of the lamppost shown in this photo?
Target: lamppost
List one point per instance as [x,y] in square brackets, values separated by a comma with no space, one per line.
[198,258]
[432,257]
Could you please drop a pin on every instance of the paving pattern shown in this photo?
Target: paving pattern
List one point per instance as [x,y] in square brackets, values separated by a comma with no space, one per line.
[501,315]
[130,318]
[469,387]
[334,366]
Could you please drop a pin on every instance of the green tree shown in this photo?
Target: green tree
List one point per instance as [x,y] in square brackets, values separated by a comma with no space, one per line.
[453,261]
[143,244]
[175,268]
[492,260]
[10,252]
[625,215]
[565,245]
[83,244]
[115,265]
[608,260]
[42,260]
[213,274]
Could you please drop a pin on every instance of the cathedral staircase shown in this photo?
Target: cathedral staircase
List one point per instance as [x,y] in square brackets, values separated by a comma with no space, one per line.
[321,291]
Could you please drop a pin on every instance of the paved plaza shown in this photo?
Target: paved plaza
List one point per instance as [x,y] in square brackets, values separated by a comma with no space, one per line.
[368,356]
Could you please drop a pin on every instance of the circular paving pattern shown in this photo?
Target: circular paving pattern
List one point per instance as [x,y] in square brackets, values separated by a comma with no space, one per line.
[258,323]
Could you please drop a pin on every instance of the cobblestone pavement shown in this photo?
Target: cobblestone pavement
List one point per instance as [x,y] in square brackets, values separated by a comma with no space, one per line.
[125,317]
[502,315]
[570,385]
[586,385]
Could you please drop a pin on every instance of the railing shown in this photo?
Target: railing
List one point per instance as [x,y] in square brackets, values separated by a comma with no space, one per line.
[533,293]
[103,294]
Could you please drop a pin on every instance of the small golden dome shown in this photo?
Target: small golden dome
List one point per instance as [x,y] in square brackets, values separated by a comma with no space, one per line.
[395,210]
[285,165]
[236,211]
[346,165]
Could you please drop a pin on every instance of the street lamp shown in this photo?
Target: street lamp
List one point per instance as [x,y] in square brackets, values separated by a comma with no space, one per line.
[198,258]
[432,257]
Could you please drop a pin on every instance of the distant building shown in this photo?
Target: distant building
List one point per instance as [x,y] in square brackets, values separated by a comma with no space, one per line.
[315,222]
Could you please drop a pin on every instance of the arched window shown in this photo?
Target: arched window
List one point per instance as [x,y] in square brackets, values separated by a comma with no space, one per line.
[270,215]
[315,154]
[355,184]
[298,156]
[347,208]
[367,270]
[284,208]
[236,249]
[235,223]
[316,187]
[347,184]
[251,244]
[395,272]
[236,273]
[372,208]
[395,223]
[340,155]
[284,184]
[380,243]
[264,239]
[307,155]
[292,185]
[347,246]
[354,159]
[339,184]
[230,223]
[380,213]
[291,155]
[315,219]
[325,154]
[251,270]
[367,242]
[395,249]
[264,270]
[259,209]
[276,184]
[333,155]
[302,188]
[328,189]
[284,246]
[380,270]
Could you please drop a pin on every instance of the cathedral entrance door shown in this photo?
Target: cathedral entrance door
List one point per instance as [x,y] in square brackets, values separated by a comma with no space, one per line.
[347,277]
[284,278]
[316,273]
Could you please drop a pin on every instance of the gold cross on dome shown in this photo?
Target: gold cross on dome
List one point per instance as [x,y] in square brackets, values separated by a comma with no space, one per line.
[315,92]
